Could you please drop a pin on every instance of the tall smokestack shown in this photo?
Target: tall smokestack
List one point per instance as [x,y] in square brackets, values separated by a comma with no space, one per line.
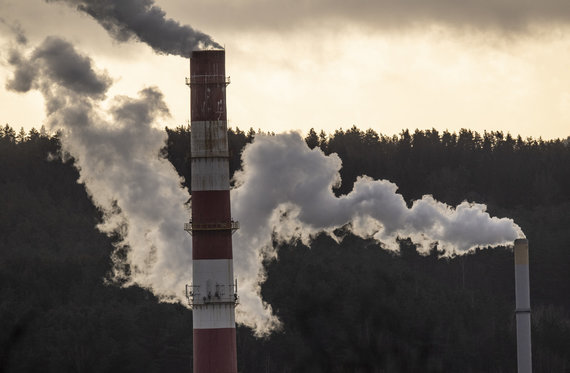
[213,294]
[524,358]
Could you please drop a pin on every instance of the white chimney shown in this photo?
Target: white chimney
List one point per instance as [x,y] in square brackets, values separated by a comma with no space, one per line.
[524,357]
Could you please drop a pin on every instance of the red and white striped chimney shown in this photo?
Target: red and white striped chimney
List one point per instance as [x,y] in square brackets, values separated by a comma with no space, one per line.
[213,293]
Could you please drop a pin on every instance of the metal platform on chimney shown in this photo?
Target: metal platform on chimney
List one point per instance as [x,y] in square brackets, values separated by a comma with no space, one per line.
[224,226]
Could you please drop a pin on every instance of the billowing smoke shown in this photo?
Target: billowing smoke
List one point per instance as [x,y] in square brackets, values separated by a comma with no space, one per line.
[116,149]
[285,191]
[142,20]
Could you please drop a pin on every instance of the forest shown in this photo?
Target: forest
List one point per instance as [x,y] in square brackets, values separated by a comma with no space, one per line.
[348,306]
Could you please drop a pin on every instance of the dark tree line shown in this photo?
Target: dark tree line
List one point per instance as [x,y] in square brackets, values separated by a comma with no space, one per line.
[345,307]
[492,168]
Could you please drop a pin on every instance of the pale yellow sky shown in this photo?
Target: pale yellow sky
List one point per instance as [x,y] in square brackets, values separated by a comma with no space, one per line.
[333,72]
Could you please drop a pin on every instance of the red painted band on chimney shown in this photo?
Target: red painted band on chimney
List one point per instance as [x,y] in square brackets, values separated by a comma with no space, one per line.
[211,206]
[208,85]
[211,245]
[215,350]
[211,209]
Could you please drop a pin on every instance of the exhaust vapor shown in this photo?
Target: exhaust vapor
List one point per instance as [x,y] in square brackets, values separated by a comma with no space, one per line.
[115,144]
[297,188]
[144,21]
[284,190]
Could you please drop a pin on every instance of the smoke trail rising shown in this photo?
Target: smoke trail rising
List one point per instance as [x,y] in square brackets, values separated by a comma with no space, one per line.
[286,189]
[116,151]
[143,20]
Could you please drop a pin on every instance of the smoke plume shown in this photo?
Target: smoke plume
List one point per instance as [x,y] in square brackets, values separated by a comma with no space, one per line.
[144,21]
[116,149]
[285,191]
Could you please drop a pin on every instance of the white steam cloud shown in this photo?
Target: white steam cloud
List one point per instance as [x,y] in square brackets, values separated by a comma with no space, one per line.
[285,190]
[116,150]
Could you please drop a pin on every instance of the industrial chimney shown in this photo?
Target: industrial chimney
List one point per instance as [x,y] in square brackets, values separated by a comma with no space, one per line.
[213,293]
[524,358]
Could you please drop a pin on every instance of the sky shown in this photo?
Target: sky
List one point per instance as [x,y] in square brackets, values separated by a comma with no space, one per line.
[329,64]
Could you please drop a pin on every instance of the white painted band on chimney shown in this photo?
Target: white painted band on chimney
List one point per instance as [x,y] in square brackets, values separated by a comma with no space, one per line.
[214,301]
[209,139]
[210,174]
[207,273]
[217,316]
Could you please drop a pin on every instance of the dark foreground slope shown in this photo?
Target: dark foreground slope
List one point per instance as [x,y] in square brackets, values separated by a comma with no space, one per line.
[348,307]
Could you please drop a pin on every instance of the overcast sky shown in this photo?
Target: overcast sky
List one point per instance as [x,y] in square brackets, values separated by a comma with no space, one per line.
[327,64]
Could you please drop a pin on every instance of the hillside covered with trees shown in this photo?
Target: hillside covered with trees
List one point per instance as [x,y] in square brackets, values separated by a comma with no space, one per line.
[347,306]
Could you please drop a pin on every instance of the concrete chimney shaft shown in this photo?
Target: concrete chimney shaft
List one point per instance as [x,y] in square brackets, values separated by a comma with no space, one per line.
[524,356]
[213,293]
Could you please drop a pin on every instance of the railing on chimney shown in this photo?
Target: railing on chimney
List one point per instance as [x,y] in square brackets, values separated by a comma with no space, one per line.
[207,79]
[219,295]
[213,226]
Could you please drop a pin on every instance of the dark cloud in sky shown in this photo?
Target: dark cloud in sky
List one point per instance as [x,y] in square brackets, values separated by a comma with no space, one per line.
[23,74]
[57,60]
[504,14]
[495,15]
[70,69]
[144,21]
